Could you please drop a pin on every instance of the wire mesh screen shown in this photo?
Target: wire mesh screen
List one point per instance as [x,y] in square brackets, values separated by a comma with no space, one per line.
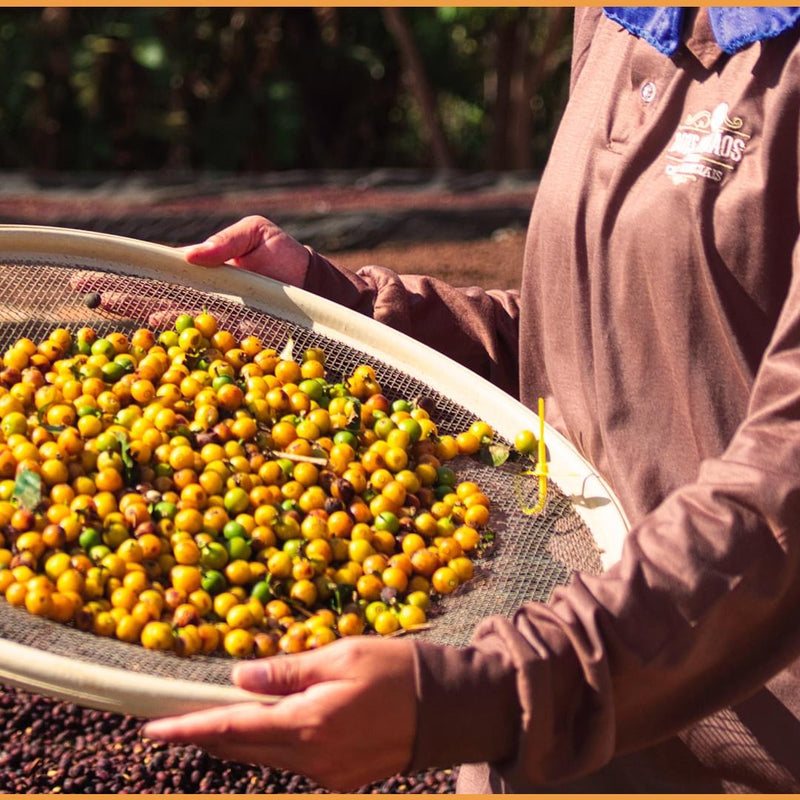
[531,554]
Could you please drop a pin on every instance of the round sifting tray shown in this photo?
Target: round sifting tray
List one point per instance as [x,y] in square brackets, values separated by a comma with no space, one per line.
[45,274]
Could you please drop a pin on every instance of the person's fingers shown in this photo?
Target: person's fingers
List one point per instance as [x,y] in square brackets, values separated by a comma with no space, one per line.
[133,302]
[207,728]
[234,242]
[317,733]
[154,311]
[255,244]
[137,306]
[206,254]
[88,280]
[278,756]
[318,727]
[288,675]
[255,327]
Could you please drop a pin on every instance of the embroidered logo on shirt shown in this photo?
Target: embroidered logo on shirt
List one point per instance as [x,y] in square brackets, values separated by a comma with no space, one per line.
[708,145]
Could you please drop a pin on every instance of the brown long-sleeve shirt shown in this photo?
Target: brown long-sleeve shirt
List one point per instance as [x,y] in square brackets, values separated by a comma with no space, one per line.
[660,315]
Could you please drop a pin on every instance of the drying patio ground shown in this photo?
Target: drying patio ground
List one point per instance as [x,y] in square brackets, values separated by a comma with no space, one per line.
[466,229]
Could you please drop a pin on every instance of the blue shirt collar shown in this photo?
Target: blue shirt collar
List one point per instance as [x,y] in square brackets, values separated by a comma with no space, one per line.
[733,28]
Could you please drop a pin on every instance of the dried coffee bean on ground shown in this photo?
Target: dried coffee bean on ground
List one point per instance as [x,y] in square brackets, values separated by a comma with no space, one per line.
[51,746]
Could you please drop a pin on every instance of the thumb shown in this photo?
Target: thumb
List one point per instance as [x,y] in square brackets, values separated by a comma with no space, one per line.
[286,675]
[210,253]
[235,241]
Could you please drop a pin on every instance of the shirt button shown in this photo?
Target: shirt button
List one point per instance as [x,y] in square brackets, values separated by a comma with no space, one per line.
[648,92]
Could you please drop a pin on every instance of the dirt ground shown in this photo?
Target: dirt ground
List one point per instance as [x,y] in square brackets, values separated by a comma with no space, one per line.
[493,263]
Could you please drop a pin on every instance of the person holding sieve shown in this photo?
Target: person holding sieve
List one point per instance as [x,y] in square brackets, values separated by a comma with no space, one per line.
[659,315]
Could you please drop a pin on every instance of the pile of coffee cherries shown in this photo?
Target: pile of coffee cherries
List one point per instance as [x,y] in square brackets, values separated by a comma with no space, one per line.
[199,493]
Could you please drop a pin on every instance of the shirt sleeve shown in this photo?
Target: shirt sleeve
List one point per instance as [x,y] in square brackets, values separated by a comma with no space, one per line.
[475,327]
[698,614]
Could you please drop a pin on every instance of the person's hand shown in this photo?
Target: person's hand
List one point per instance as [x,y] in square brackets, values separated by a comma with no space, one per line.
[256,244]
[348,716]
[253,243]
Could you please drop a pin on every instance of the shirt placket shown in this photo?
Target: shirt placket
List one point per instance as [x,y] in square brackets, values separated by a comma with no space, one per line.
[646,80]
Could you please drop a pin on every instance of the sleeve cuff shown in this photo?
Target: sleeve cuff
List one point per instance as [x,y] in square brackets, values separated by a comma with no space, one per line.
[467,706]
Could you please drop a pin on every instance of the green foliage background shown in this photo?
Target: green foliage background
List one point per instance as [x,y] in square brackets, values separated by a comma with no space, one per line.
[257,89]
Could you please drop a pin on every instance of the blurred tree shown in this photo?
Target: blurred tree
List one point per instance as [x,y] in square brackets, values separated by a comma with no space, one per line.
[256,89]
[417,78]
[524,56]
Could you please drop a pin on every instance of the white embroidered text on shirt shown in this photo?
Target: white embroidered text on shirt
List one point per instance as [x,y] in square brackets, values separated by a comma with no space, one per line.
[708,145]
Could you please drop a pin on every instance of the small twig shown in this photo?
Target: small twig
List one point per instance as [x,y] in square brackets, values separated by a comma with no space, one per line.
[297,457]
[413,629]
